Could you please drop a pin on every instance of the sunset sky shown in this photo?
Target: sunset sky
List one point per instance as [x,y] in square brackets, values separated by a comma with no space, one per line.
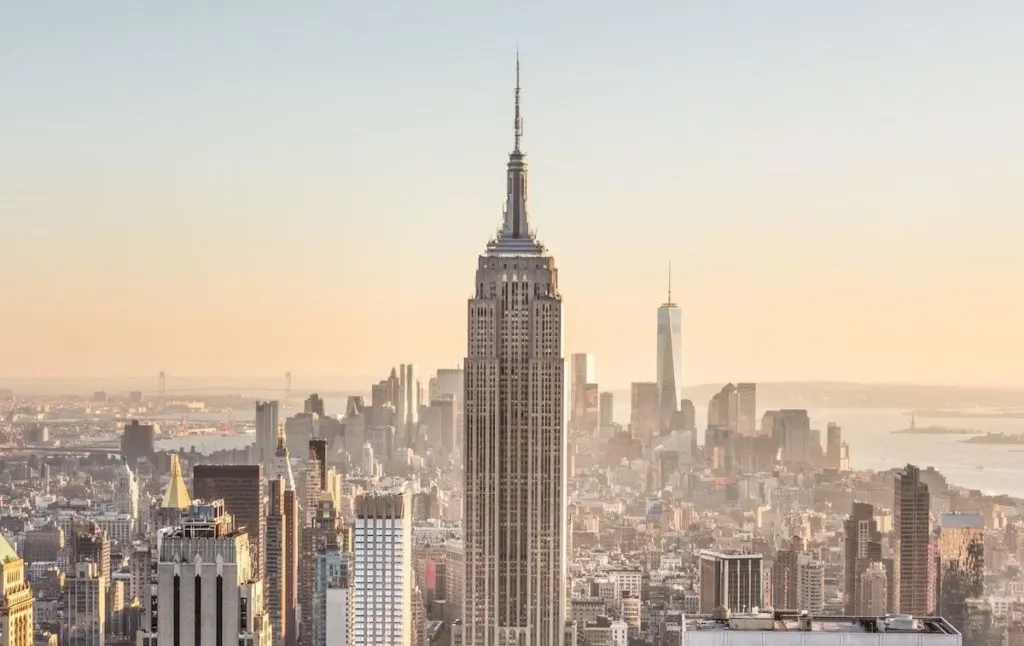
[306,186]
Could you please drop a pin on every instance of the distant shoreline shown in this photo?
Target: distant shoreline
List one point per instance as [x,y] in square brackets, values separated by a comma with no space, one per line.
[938,430]
[997,439]
[968,414]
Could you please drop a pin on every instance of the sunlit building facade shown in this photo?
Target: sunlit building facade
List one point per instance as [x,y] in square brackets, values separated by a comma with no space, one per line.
[670,358]
[515,445]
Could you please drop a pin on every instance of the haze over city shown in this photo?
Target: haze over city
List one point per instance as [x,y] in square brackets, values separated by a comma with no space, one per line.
[291,355]
[243,190]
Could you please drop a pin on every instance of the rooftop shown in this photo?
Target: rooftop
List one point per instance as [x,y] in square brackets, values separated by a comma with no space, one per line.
[7,551]
[797,622]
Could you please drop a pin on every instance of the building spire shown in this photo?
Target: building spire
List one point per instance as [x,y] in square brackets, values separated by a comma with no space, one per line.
[519,114]
[668,301]
[517,222]
[669,281]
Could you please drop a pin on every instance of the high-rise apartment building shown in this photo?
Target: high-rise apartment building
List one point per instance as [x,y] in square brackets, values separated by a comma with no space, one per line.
[333,618]
[85,597]
[17,612]
[281,544]
[873,596]
[314,480]
[243,489]
[862,549]
[669,358]
[960,549]
[784,575]
[730,580]
[266,430]
[515,447]
[382,577]
[810,584]
[912,527]
[208,592]
[746,409]
[320,529]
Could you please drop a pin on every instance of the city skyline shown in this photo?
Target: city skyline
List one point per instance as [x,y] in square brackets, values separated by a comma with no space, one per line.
[860,201]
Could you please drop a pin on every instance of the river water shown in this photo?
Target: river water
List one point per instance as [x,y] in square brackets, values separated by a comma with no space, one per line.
[867,431]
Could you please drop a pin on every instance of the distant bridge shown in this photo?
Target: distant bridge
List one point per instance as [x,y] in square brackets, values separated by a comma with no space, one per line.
[64,450]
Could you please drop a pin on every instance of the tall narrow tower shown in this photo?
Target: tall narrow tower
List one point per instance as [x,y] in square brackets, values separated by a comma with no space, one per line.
[515,443]
[912,527]
[670,356]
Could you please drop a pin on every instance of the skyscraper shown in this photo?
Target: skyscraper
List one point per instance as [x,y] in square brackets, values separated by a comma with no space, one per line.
[138,441]
[207,591]
[644,414]
[785,575]
[730,579]
[281,547]
[266,430]
[607,409]
[746,409]
[862,549]
[323,532]
[912,525]
[314,405]
[670,356]
[382,573]
[17,612]
[515,447]
[723,408]
[410,405]
[243,490]
[582,373]
[84,606]
[961,571]
[834,446]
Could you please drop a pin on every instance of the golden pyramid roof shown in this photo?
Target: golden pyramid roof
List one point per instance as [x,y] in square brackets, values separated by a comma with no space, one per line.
[176,495]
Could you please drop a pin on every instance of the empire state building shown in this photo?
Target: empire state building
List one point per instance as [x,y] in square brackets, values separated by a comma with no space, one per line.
[515,446]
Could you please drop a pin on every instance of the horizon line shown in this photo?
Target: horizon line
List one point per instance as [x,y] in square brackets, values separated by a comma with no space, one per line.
[371,379]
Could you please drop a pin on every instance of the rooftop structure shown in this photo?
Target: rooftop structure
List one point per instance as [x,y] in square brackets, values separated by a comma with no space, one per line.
[176,495]
[771,629]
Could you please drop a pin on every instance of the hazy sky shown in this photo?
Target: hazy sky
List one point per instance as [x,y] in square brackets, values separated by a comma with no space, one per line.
[243,188]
